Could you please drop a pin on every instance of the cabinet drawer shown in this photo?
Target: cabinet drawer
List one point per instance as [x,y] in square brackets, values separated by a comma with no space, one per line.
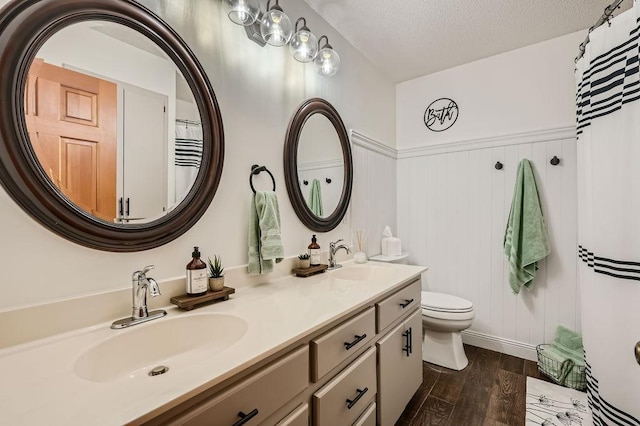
[332,348]
[259,395]
[298,417]
[368,418]
[341,401]
[394,306]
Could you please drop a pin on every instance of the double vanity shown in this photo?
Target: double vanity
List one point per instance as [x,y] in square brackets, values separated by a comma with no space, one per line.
[343,347]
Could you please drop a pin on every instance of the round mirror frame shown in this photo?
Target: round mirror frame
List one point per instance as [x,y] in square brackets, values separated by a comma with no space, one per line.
[25,25]
[306,110]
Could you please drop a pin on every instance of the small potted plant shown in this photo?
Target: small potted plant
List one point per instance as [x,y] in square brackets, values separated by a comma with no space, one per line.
[304,261]
[216,274]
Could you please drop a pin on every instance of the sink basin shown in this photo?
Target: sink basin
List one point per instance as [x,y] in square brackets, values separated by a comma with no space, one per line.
[362,273]
[135,351]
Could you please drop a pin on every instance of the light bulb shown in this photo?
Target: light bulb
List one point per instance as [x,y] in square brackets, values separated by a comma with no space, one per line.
[242,12]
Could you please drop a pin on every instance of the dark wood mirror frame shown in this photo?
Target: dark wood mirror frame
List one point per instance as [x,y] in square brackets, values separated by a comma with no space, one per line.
[25,25]
[306,110]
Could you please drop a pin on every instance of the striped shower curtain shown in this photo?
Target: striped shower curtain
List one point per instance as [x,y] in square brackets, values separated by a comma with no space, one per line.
[188,156]
[608,131]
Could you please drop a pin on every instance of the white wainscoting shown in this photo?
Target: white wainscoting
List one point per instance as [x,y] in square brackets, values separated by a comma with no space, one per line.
[373,201]
[452,211]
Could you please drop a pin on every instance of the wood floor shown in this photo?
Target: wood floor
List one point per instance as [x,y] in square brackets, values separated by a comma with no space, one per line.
[489,392]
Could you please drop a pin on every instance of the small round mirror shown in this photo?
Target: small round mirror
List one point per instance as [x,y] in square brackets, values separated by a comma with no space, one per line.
[318,165]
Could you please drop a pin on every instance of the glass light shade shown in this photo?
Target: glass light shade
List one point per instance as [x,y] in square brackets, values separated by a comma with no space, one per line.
[276,27]
[242,12]
[327,62]
[303,46]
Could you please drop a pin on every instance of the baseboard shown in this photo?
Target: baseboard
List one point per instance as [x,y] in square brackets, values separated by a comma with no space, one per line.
[500,344]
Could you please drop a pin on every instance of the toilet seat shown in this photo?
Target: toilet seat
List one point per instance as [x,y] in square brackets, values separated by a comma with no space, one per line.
[446,306]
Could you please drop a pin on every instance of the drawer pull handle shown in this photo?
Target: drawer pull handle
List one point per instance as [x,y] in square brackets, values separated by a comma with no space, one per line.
[406,303]
[408,348]
[354,401]
[244,418]
[357,340]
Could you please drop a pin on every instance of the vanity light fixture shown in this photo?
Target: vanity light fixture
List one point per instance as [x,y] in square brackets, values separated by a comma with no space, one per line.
[275,26]
[303,44]
[242,12]
[327,60]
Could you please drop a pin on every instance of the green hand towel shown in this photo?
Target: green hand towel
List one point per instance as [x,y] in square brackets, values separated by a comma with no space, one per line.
[315,198]
[569,342]
[525,240]
[265,242]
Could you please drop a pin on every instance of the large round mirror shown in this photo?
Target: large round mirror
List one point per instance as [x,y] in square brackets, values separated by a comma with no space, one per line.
[110,132]
[318,165]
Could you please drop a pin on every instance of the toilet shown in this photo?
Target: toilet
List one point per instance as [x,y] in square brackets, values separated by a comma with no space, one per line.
[444,316]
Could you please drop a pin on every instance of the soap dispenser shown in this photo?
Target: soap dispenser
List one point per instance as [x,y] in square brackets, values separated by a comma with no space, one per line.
[314,251]
[197,278]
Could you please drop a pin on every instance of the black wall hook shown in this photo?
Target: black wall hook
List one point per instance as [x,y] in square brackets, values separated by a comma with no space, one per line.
[498,165]
[328,180]
[555,161]
[255,170]
[306,182]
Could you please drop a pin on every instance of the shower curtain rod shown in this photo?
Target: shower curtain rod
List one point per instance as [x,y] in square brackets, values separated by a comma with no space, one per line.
[608,11]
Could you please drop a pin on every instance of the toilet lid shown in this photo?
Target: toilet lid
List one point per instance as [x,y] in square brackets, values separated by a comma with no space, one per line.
[445,302]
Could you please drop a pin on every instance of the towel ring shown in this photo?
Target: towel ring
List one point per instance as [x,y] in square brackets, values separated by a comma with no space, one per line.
[255,170]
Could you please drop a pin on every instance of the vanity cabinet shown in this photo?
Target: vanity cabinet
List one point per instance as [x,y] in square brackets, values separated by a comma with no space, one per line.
[399,367]
[359,370]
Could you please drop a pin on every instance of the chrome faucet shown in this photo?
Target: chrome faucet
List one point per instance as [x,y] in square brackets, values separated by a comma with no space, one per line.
[333,249]
[141,286]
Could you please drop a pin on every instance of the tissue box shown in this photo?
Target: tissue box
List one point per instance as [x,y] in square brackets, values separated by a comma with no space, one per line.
[391,246]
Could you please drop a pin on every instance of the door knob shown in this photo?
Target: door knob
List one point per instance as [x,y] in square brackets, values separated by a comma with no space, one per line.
[637,352]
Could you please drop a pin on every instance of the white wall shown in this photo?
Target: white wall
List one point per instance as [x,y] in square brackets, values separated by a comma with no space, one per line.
[258,89]
[523,90]
[453,204]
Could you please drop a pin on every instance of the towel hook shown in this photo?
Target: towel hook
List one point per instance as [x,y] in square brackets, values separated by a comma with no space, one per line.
[328,180]
[498,165]
[306,182]
[555,161]
[255,170]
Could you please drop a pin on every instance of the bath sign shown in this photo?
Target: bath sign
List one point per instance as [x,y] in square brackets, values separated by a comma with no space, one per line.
[441,114]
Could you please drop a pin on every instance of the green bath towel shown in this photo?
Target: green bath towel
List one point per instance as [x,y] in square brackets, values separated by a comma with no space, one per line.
[315,198]
[265,243]
[525,240]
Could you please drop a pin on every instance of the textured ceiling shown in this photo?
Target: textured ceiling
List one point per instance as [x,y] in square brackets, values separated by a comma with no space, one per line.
[410,38]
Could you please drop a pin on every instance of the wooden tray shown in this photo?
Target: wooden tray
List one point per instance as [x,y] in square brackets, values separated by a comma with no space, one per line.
[189,302]
[312,270]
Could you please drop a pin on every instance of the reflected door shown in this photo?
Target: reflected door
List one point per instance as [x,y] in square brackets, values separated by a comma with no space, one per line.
[144,154]
[71,119]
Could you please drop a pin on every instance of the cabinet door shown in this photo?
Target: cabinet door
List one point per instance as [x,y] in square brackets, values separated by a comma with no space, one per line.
[399,368]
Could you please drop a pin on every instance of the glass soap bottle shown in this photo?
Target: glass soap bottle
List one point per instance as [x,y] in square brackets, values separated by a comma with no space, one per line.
[314,252]
[197,278]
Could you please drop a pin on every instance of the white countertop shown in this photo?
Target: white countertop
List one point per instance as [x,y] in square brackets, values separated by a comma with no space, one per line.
[38,384]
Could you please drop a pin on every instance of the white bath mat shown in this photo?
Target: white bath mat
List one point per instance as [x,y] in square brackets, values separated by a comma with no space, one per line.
[552,405]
